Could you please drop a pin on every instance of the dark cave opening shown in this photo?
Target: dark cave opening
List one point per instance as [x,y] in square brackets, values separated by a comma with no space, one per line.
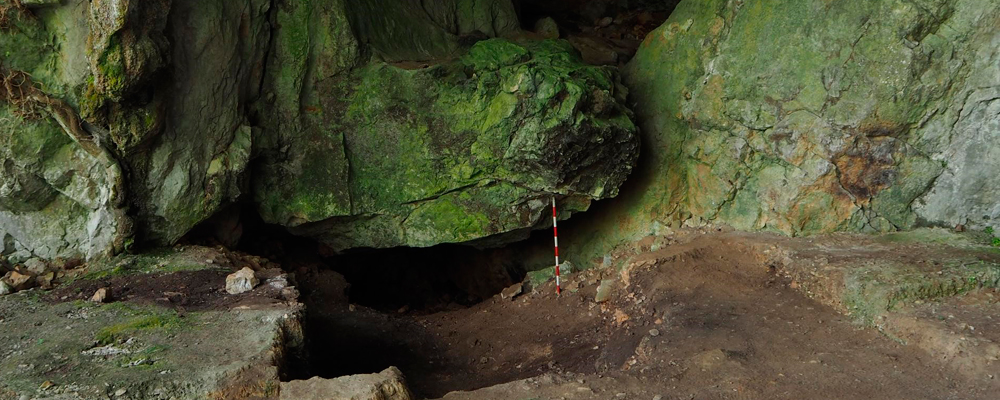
[365,307]
[605,31]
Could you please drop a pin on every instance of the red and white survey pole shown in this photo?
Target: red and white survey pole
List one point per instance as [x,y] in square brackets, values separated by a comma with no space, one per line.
[555,239]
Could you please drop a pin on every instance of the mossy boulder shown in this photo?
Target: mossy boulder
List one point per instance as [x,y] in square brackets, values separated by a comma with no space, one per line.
[452,153]
[813,116]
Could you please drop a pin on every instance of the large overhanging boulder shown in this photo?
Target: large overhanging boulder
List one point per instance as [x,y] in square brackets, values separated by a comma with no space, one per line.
[381,156]
[813,116]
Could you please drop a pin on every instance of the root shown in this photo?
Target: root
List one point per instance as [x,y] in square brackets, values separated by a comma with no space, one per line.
[11,11]
[18,90]
[29,102]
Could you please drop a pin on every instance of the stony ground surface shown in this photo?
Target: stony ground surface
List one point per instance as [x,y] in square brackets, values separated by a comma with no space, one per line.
[712,315]
[161,335]
[690,314]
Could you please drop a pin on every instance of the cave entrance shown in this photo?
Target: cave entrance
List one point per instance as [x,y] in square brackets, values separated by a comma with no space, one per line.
[605,32]
[369,309]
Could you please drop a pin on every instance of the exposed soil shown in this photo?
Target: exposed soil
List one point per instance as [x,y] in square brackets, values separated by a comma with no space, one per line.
[198,290]
[708,318]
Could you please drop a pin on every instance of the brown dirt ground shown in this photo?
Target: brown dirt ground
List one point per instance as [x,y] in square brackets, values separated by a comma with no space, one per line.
[727,325]
[197,290]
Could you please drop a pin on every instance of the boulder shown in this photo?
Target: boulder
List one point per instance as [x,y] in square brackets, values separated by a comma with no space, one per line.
[386,385]
[814,116]
[458,152]
[5,288]
[547,28]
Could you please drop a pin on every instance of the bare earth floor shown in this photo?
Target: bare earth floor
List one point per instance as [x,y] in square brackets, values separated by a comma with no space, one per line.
[693,314]
[711,315]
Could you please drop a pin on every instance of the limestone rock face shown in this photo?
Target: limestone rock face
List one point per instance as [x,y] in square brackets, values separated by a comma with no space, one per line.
[126,121]
[58,197]
[380,156]
[813,116]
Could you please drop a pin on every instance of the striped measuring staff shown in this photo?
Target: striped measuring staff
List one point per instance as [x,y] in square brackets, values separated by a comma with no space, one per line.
[555,239]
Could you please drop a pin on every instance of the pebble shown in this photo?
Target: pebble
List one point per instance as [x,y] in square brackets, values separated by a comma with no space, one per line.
[654,332]
[657,397]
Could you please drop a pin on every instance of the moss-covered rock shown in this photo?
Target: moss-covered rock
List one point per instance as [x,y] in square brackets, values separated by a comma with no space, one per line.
[157,109]
[58,198]
[813,116]
[452,153]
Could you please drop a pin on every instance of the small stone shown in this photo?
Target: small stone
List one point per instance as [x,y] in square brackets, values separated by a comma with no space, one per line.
[241,281]
[547,28]
[100,296]
[289,293]
[654,332]
[566,267]
[45,280]
[620,395]
[603,22]
[36,266]
[120,392]
[46,385]
[20,281]
[279,282]
[657,397]
[604,290]
[513,291]
[5,288]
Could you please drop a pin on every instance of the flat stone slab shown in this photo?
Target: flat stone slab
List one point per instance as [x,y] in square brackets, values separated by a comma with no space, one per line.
[386,385]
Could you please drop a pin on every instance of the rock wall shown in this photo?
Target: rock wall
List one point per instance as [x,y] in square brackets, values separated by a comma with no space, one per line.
[802,117]
[124,121]
[59,191]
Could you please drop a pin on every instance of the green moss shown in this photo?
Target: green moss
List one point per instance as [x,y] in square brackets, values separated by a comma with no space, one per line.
[141,319]
[111,67]
[871,291]
[494,54]
[149,262]
[413,138]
